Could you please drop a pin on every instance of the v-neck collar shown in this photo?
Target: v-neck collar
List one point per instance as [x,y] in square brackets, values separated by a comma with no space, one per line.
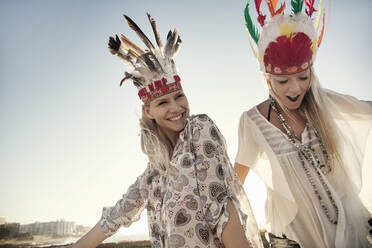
[303,133]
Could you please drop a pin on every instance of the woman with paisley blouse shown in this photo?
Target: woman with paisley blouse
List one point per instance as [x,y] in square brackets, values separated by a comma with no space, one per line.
[189,188]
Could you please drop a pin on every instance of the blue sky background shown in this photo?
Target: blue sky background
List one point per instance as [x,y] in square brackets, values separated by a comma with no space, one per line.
[69,134]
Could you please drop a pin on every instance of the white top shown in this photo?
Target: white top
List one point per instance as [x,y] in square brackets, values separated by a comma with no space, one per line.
[292,207]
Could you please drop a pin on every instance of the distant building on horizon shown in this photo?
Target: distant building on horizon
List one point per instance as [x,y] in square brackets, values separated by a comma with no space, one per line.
[51,228]
[9,230]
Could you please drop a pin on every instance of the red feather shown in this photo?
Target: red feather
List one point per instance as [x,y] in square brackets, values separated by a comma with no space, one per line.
[258,5]
[281,9]
[271,7]
[261,18]
[310,5]
[322,31]
[288,51]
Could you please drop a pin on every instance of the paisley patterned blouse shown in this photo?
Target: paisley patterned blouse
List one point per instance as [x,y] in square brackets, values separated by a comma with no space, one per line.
[186,205]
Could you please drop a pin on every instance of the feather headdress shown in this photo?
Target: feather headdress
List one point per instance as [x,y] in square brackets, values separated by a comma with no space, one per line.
[287,43]
[154,72]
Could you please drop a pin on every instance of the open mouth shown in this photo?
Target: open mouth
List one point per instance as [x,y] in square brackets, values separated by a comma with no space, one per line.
[293,99]
[177,117]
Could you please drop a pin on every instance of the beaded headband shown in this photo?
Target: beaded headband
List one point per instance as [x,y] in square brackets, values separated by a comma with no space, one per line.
[154,71]
[287,44]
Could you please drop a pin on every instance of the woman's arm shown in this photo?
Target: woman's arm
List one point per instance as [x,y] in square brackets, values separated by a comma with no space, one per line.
[92,239]
[233,234]
[126,211]
[241,171]
[248,149]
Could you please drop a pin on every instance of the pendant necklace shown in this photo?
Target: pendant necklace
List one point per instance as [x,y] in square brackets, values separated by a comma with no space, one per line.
[307,152]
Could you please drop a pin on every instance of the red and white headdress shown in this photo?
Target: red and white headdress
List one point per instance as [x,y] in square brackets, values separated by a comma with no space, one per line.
[154,71]
[287,43]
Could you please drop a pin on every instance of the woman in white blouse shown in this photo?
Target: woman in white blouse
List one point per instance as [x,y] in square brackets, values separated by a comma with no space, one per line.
[308,144]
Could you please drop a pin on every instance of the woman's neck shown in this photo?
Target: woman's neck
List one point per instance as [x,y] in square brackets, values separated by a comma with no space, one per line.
[293,118]
[171,136]
[173,139]
[295,114]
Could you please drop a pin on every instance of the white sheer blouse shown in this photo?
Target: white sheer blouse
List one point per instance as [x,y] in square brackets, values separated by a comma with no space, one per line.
[292,207]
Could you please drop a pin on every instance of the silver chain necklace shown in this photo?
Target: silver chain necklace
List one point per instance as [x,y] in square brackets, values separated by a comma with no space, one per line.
[307,152]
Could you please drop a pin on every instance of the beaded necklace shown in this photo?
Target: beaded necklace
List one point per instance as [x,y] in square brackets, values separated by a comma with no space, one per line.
[307,152]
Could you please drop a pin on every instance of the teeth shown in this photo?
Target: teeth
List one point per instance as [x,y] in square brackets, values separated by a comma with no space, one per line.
[176,118]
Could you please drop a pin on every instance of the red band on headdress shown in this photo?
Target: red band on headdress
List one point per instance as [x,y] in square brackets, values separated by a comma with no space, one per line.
[158,84]
[142,92]
[177,78]
[161,88]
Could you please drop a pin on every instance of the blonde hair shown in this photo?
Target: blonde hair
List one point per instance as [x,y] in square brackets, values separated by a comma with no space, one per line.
[314,108]
[154,143]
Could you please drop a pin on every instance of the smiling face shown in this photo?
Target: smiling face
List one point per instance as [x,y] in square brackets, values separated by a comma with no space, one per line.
[291,89]
[170,112]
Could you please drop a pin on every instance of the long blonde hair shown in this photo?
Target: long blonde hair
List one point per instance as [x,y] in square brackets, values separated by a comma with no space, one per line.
[154,143]
[314,108]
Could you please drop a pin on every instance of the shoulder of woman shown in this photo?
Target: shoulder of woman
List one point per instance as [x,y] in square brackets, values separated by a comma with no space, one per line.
[263,107]
[348,103]
[337,96]
[203,125]
[200,119]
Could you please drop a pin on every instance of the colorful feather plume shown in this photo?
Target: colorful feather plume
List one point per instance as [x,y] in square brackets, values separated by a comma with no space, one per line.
[249,24]
[310,5]
[281,9]
[297,6]
[261,18]
[253,49]
[288,42]
[272,7]
[322,31]
[270,4]
[318,16]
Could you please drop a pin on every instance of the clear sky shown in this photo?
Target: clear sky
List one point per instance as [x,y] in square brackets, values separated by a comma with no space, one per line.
[69,134]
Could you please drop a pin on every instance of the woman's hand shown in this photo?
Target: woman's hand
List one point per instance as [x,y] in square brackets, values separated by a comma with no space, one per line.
[233,234]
